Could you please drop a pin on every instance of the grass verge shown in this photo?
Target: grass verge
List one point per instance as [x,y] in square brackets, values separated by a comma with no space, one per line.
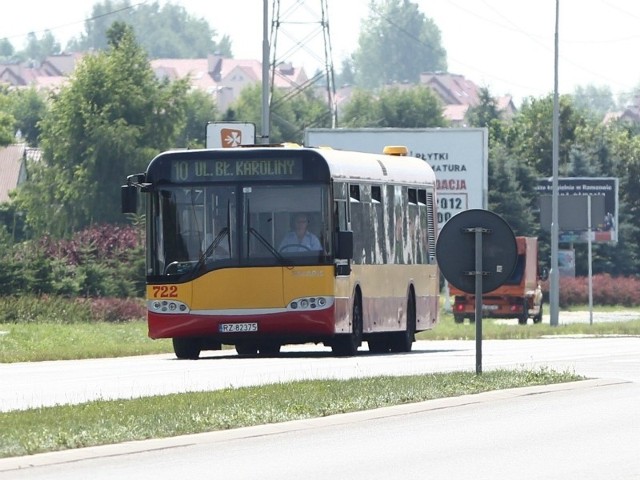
[106,422]
[32,342]
[447,329]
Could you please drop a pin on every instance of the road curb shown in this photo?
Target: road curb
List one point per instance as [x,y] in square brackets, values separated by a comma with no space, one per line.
[140,446]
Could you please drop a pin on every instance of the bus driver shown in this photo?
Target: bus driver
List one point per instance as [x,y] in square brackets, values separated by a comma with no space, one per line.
[300,240]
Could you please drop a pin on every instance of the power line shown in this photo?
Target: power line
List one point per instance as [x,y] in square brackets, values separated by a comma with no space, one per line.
[79,22]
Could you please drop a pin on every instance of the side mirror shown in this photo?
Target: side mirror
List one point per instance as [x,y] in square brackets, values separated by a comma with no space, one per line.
[129,197]
[343,245]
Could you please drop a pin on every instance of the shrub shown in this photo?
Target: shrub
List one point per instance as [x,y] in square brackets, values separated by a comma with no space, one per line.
[55,309]
[116,309]
[606,290]
[104,260]
[97,243]
[42,309]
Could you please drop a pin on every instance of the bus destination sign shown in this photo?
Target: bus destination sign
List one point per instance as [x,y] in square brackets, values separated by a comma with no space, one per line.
[229,170]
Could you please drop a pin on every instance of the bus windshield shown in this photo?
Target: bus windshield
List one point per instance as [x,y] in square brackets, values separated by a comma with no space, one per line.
[195,229]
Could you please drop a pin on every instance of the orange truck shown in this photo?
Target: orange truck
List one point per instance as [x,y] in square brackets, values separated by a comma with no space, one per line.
[519,297]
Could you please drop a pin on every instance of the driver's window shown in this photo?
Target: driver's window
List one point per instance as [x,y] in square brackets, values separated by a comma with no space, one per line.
[284,219]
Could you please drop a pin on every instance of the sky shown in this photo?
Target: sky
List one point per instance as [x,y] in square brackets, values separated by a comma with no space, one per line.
[507,46]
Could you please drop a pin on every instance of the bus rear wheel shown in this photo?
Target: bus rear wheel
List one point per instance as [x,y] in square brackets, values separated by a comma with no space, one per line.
[379,344]
[347,345]
[187,348]
[403,341]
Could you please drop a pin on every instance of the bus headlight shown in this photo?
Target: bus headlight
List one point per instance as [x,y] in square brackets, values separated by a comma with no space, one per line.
[310,303]
[167,306]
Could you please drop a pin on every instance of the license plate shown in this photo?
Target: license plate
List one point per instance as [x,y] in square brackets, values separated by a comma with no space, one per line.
[238,327]
[489,307]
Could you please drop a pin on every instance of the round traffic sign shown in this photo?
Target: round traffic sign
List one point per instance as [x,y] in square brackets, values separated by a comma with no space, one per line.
[456,250]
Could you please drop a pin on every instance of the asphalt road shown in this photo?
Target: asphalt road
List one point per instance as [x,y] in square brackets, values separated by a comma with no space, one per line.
[587,430]
[34,384]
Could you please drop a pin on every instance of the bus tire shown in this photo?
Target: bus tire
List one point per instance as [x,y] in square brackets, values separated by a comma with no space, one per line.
[458,319]
[187,348]
[379,344]
[347,345]
[403,341]
[246,349]
[269,349]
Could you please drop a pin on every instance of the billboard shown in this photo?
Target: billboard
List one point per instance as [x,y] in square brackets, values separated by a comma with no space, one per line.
[573,220]
[458,157]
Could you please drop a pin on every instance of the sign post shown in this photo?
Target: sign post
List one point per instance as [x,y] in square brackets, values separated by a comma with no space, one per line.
[477,263]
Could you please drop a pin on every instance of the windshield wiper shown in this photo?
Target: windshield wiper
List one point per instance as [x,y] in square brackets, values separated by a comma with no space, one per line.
[211,248]
[268,246]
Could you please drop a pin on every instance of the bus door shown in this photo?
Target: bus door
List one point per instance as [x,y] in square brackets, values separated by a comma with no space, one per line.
[343,277]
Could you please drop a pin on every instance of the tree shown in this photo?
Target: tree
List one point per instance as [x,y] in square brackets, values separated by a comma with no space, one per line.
[346,75]
[397,43]
[414,107]
[200,109]
[508,195]
[596,101]
[21,111]
[625,153]
[7,120]
[111,119]
[6,50]
[29,107]
[530,136]
[587,148]
[39,49]
[164,32]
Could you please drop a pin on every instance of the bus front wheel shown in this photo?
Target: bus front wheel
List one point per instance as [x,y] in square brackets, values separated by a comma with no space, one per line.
[347,345]
[246,349]
[187,348]
[269,349]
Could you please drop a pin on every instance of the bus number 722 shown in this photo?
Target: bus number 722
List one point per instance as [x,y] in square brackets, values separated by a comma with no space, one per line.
[165,291]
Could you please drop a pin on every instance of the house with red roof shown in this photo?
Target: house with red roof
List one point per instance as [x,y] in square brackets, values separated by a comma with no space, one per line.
[224,78]
[459,94]
[52,73]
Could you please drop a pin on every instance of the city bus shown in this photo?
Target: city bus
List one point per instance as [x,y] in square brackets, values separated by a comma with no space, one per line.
[218,274]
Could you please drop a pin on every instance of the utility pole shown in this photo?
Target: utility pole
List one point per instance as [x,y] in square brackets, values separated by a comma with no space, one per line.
[266,90]
[554,274]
